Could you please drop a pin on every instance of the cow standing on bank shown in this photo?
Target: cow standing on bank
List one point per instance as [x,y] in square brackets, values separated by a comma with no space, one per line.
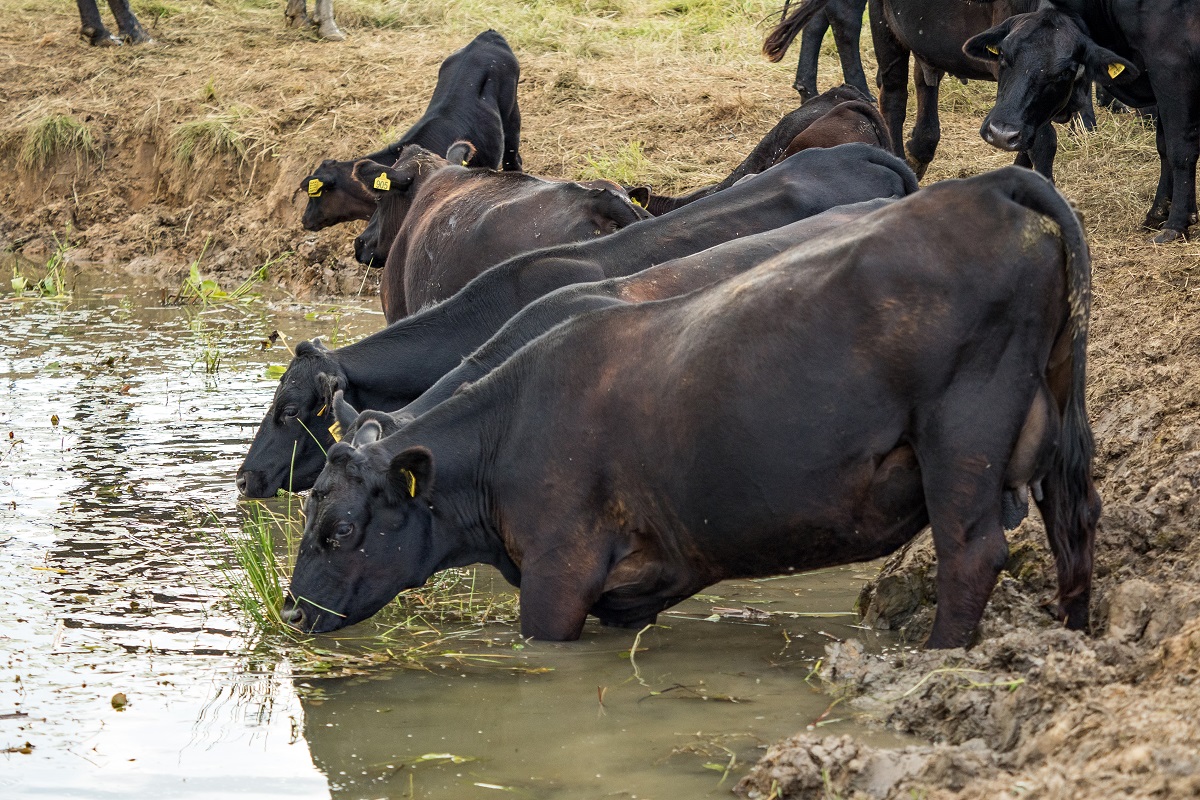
[475,100]
[1144,52]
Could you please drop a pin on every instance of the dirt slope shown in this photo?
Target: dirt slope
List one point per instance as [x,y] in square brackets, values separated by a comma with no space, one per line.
[674,94]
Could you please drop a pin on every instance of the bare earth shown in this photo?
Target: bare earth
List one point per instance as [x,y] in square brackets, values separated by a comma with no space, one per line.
[674,94]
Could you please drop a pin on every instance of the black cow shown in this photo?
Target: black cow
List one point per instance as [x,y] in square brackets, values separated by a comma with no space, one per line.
[393,367]
[92,28]
[770,150]
[438,225]
[933,31]
[475,99]
[820,409]
[1143,52]
[671,279]
[845,18]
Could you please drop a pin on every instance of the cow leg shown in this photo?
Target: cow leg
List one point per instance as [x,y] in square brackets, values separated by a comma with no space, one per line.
[127,24]
[1161,206]
[927,130]
[892,77]
[296,14]
[91,27]
[963,467]
[326,27]
[846,21]
[1042,150]
[811,38]
[1084,112]
[1179,126]
[555,597]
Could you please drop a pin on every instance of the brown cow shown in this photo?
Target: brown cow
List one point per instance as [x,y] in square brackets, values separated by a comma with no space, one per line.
[441,224]
[773,147]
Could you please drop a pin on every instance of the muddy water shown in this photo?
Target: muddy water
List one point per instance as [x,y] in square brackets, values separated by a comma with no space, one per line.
[114,483]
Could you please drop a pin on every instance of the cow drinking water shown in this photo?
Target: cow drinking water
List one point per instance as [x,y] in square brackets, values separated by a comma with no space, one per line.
[820,409]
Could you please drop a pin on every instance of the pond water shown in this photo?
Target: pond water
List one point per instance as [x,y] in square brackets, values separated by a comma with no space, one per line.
[121,424]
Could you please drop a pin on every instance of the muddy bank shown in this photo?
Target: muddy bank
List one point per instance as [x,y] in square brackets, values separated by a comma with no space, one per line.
[654,93]
[1032,709]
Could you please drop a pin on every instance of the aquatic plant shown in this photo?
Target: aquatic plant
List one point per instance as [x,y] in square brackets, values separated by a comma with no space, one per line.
[53,284]
[199,290]
[422,626]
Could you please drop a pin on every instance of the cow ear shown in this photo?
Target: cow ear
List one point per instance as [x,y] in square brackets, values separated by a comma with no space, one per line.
[986,46]
[381,180]
[411,473]
[461,152]
[638,195]
[1106,67]
[328,385]
[344,414]
[368,433]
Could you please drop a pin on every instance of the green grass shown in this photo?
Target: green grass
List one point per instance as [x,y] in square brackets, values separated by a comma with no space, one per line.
[215,135]
[53,284]
[199,290]
[54,135]
[626,166]
[437,623]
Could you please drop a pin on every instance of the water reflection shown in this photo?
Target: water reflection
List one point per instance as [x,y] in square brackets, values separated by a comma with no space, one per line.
[117,475]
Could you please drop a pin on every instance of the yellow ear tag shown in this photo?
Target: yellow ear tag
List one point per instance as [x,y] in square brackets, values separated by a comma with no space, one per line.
[314,187]
[1115,69]
[412,483]
[335,430]
[321,413]
[382,183]
[465,161]
[634,200]
[991,48]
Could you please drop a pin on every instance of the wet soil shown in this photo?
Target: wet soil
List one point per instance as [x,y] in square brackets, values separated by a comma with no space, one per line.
[1030,710]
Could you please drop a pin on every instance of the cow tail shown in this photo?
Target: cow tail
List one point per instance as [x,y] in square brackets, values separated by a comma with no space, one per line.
[1075,506]
[789,27]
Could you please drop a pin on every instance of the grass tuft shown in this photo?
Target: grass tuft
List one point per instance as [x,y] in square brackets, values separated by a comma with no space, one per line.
[626,166]
[54,135]
[437,623]
[213,136]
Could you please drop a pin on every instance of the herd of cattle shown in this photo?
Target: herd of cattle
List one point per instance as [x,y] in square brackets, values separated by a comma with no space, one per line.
[619,398]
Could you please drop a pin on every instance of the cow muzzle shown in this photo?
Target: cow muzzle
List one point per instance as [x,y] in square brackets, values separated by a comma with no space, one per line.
[1001,135]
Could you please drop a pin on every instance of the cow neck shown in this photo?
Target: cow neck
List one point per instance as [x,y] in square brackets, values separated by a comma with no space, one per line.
[665,238]
[390,368]
[464,433]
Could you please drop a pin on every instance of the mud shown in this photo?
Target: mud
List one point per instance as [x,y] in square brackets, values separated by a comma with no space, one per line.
[1031,710]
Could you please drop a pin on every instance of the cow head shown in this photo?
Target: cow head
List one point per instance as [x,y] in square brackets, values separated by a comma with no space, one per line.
[289,447]
[334,196]
[1039,58]
[368,534]
[394,188]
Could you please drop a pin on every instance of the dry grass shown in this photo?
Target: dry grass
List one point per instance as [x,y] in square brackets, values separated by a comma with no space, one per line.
[55,135]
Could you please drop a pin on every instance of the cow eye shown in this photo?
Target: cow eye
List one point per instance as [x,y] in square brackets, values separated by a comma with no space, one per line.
[341,533]
[290,412]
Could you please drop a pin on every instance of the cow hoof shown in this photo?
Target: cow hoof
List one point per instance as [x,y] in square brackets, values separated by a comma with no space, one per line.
[330,32]
[299,20]
[99,37]
[918,167]
[1169,235]
[137,37]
